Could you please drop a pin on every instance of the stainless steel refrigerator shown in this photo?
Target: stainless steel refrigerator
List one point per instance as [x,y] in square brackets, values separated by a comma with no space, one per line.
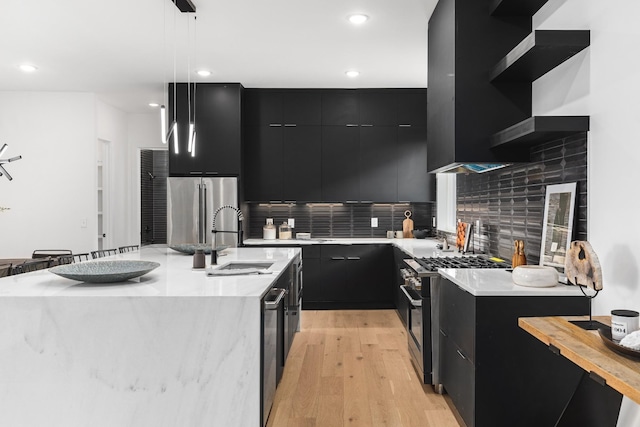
[191,205]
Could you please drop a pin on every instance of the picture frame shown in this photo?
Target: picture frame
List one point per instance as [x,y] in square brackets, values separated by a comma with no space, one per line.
[557,224]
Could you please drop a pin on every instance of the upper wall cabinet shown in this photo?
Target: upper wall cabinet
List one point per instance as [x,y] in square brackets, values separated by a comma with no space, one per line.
[515,7]
[411,107]
[340,107]
[292,107]
[216,108]
[376,107]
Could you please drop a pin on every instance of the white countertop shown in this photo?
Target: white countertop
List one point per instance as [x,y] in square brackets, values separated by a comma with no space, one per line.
[175,277]
[497,282]
[413,247]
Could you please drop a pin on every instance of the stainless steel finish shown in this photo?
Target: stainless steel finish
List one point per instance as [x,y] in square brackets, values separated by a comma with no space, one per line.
[275,125]
[269,354]
[419,270]
[290,125]
[435,334]
[414,302]
[191,203]
[273,304]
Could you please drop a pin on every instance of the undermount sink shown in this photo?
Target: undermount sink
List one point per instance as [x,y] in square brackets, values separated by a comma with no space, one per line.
[245,265]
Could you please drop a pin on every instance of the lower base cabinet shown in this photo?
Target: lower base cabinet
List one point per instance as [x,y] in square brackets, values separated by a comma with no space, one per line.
[496,373]
[348,276]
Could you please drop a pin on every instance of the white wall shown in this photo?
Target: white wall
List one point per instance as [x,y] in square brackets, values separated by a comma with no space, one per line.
[53,188]
[604,83]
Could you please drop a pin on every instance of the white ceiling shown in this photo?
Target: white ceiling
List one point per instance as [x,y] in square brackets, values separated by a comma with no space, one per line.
[123,50]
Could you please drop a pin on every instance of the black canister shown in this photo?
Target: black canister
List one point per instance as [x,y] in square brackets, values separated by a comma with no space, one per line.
[198,259]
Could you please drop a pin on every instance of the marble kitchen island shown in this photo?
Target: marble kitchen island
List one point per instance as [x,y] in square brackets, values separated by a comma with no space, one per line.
[172,348]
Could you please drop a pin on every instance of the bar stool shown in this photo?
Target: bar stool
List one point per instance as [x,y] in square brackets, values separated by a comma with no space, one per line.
[80,257]
[129,248]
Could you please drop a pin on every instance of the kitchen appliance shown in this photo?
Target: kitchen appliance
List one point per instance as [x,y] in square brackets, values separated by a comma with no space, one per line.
[422,291]
[191,204]
[271,343]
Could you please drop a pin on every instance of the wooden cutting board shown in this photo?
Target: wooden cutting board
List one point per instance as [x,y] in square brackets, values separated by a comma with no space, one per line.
[407,226]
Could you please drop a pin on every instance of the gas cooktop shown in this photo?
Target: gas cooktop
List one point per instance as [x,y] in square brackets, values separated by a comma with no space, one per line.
[434,263]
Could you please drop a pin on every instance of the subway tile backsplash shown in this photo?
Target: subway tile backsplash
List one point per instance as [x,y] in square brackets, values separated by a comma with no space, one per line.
[510,201]
[340,220]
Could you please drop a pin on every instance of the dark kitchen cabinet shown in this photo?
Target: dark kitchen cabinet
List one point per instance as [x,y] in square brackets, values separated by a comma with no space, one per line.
[338,145]
[284,107]
[414,183]
[217,114]
[302,165]
[340,170]
[378,168]
[282,163]
[496,373]
[411,107]
[350,276]
[377,107]
[340,107]
[264,166]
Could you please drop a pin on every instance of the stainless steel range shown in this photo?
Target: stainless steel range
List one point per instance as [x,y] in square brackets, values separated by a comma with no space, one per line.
[422,290]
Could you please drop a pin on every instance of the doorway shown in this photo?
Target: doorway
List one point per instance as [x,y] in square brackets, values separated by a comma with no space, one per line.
[103,152]
[154,170]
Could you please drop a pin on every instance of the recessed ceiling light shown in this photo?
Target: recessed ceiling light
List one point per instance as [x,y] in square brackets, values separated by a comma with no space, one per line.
[154,104]
[352,73]
[204,73]
[28,68]
[358,18]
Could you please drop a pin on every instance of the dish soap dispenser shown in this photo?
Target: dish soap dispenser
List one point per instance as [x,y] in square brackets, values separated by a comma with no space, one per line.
[269,230]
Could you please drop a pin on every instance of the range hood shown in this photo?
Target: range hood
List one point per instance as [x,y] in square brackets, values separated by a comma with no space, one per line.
[471,167]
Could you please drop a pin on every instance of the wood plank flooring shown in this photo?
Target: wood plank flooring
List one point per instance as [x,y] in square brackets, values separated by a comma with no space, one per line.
[352,368]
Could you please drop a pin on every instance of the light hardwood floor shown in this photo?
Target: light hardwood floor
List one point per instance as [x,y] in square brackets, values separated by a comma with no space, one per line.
[352,368]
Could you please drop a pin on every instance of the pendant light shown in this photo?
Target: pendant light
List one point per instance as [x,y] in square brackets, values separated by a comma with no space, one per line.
[3,171]
[174,127]
[192,120]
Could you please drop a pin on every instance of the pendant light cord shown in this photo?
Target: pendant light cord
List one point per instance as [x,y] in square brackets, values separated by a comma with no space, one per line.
[189,72]
[195,56]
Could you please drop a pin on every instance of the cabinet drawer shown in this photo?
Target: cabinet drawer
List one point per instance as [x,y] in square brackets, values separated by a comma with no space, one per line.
[348,252]
[459,378]
[458,317]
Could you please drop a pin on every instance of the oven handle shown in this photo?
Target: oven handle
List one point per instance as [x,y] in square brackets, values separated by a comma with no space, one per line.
[414,302]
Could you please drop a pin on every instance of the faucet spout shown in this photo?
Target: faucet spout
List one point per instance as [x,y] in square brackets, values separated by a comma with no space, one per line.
[239,231]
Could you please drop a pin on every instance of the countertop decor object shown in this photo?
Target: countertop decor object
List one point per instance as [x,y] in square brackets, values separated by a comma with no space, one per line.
[190,248]
[519,258]
[582,269]
[535,276]
[105,271]
[407,225]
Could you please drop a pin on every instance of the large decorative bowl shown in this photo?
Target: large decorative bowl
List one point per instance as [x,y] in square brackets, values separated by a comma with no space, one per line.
[535,276]
[105,271]
[190,248]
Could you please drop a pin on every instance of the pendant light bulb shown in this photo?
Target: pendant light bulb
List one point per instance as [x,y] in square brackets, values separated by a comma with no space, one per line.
[175,138]
[193,144]
[190,136]
[163,123]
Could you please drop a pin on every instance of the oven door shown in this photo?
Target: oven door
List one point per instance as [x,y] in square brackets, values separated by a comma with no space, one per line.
[414,327]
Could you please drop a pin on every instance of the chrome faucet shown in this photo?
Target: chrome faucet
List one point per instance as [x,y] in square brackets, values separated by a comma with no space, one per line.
[214,254]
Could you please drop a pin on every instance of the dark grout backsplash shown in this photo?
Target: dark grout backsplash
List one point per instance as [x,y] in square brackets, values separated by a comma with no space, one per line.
[153,196]
[510,201]
[340,220]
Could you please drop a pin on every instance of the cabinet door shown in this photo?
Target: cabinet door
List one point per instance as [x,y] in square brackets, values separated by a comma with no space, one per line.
[263,163]
[340,171]
[302,165]
[313,281]
[377,107]
[414,183]
[412,108]
[461,329]
[218,129]
[302,108]
[370,268]
[458,378]
[263,107]
[340,107]
[378,171]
